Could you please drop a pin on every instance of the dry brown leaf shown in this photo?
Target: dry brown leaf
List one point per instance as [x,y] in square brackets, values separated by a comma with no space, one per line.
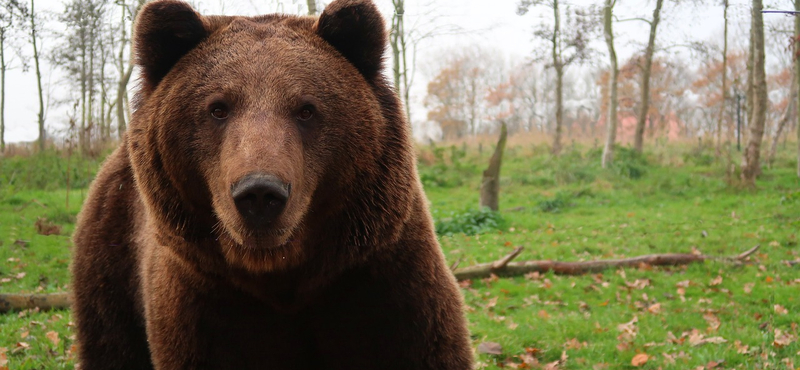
[780,310]
[574,344]
[491,348]
[655,309]
[544,315]
[640,359]
[492,302]
[24,334]
[783,339]
[712,320]
[749,287]
[740,348]
[717,281]
[53,337]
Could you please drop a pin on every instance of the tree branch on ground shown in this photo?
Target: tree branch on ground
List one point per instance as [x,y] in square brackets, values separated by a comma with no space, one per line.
[504,266]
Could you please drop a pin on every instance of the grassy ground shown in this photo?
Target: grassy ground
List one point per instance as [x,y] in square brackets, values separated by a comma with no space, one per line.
[713,315]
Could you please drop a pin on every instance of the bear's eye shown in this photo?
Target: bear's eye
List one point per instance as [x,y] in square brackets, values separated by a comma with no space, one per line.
[219,111]
[306,113]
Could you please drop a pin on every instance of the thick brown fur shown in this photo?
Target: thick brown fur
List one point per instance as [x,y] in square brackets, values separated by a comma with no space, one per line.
[167,275]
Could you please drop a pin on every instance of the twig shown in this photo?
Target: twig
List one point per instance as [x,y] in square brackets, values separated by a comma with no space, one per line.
[503,262]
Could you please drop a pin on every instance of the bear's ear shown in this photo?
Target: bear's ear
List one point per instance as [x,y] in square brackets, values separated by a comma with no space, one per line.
[165,31]
[356,29]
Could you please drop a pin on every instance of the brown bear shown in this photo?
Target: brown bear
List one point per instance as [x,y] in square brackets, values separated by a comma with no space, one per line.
[263,210]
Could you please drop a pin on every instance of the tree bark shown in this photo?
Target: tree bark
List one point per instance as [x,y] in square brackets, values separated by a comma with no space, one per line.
[721,118]
[648,64]
[490,185]
[2,90]
[611,121]
[797,78]
[784,121]
[504,267]
[752,166]
[40,115]
[312,7]
[558,64]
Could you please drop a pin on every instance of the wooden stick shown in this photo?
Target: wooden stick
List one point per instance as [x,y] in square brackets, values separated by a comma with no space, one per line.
[15,302]
[503,267]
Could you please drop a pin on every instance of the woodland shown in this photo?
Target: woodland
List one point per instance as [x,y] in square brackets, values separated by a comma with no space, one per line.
[598,213]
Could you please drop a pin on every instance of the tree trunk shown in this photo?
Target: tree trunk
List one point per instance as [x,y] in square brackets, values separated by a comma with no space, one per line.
[797,78]
[40,116]
[559,67]
[752,167]
[648,64]
[490,185]
[90,89]
[312,7]
[611,121]
[721,118]
[784,121]
[2,91]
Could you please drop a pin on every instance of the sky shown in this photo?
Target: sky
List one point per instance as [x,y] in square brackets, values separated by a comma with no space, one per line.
[491,24]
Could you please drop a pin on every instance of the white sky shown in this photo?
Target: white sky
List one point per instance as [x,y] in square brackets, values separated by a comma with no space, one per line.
[493,24]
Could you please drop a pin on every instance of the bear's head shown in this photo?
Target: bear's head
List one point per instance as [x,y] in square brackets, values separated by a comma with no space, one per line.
[276,137]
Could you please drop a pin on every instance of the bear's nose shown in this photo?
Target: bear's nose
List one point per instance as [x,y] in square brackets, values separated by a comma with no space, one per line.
[260,198]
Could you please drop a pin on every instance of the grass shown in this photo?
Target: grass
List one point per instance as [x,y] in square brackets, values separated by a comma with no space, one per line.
[672,200]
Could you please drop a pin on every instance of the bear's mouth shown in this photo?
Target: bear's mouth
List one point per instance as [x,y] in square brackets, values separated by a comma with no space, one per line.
[269,239]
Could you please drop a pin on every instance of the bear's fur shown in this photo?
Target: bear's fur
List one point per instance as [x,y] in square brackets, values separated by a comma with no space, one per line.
[170,273]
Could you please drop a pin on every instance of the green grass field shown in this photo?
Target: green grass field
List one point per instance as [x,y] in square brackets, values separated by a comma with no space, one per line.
[713,315]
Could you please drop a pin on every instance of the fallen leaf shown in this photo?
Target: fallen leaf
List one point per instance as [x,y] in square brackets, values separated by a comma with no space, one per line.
[544,315]
[749,287]
[716,281]
[53,337]
[45,227]
[741,348]
[712,320]
[491,348]
[24,334]
[655,308]
[780,310]
[783,339]
[640,359]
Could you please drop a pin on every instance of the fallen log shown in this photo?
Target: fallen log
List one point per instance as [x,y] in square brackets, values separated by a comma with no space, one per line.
[504,266]
[44,302]
[501,267]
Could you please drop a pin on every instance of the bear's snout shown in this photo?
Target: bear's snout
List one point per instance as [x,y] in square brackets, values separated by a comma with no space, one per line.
[260,198]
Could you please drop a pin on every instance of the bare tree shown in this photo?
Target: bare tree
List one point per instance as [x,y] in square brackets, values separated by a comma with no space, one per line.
[797,78]
[788,113]
[397,41]
[645,91]
[751,165]
[312,7]
[721,116]
[12,19]
[568,44]
[125,69]
[611,118]
[34,35]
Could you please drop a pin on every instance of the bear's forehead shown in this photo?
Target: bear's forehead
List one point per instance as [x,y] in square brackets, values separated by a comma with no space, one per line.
[273,26]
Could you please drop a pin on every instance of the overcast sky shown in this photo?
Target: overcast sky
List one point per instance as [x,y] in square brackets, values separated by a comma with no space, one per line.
[493,24]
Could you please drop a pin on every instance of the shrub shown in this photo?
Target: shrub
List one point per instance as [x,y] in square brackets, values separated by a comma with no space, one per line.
[469,222]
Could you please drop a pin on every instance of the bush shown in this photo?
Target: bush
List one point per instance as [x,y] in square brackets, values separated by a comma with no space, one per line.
[469,222]
[628,163]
